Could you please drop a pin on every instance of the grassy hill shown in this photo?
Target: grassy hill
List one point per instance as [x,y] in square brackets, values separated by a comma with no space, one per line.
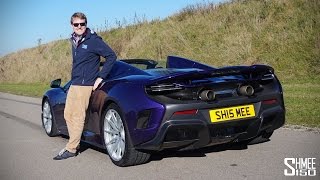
[282,33]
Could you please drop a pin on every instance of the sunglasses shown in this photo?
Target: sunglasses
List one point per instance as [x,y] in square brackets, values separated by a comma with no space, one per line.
[77,24]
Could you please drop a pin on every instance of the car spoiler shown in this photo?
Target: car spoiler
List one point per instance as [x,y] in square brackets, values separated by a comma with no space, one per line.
[254,72]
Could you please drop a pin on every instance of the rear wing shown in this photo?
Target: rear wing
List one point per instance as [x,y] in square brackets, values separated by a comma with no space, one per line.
[250,71]
[179,63]
[201,71]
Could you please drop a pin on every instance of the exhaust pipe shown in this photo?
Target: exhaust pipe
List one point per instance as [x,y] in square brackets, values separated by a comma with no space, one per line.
[207,95]
[246,90]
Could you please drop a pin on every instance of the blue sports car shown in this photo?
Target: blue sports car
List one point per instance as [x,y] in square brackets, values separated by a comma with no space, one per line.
[142,108]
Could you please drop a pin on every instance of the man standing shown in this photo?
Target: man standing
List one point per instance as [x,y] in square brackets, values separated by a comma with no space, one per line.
[87,47]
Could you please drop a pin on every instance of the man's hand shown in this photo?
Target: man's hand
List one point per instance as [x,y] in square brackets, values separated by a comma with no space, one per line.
[96,84]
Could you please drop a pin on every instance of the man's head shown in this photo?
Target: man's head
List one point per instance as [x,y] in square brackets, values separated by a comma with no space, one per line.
[79,23]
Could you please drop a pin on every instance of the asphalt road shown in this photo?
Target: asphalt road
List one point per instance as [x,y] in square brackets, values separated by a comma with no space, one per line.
[26,152]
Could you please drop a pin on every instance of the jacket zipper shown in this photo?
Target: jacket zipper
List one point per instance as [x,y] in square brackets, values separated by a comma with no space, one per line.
[82,76]
[75,54]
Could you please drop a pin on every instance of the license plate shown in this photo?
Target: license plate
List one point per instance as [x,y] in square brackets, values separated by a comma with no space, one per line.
[232,113]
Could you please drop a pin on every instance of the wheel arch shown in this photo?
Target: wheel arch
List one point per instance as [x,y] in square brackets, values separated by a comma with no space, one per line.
[54,123]
[107,103]
[45,97]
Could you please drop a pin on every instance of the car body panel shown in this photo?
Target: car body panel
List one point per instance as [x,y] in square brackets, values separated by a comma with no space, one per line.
[150,98]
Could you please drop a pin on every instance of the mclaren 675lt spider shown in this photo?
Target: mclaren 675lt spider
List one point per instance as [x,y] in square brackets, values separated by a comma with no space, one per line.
[141,108]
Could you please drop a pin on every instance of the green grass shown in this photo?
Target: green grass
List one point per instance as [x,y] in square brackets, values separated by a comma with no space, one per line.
[302,101]
[33,90]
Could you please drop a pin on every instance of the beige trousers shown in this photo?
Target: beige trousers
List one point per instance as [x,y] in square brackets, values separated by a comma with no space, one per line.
[75,113]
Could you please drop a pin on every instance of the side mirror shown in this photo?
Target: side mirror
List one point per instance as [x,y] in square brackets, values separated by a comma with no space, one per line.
[55,83]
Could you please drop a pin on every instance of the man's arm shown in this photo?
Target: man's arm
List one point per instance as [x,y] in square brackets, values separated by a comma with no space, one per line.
[105,51]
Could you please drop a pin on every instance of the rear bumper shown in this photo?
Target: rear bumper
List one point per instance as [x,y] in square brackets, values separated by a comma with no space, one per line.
[197,133]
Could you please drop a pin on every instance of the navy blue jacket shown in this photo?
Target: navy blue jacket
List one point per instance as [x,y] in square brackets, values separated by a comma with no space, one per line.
[86,59]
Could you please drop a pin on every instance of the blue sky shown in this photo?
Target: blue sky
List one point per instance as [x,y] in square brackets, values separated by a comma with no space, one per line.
[23,22]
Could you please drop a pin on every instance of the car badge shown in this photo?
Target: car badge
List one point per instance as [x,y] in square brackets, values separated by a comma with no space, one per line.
[84,46]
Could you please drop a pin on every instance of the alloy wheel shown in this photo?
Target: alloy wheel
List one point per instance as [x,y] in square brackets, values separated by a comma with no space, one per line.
[114,135]
[47,117]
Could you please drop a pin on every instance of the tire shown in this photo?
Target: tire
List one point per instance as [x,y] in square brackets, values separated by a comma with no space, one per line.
[117,140]
[48,121]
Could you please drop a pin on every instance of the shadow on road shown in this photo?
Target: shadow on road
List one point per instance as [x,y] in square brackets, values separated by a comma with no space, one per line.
[157,156]
[203,151]
[196,153]
[84,146]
